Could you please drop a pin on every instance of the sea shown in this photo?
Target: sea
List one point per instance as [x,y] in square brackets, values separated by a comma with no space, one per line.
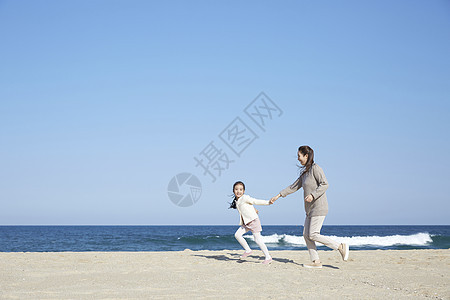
[179,238]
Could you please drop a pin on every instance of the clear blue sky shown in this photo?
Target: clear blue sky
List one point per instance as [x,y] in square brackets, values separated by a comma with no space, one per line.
[103,102]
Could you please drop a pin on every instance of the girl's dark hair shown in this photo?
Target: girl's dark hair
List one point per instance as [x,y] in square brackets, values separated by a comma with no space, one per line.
[233,204]
[309,162]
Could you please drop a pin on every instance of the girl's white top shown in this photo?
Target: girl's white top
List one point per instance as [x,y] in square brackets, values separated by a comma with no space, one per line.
[246,210]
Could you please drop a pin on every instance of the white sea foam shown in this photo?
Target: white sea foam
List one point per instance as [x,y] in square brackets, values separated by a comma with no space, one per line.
[418,239]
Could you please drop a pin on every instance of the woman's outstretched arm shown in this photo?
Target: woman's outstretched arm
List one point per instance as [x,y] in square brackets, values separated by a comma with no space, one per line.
[289,190]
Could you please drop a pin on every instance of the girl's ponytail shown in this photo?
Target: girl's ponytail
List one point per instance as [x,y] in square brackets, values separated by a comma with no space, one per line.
[233,204]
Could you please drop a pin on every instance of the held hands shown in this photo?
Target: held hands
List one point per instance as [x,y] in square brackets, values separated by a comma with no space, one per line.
[272,201]
[308,198]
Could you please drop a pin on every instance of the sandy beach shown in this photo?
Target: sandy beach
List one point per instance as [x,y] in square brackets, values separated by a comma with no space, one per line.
[378,274]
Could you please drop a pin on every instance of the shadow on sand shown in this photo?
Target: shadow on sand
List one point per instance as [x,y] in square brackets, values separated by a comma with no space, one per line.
[235,257]
[226,258]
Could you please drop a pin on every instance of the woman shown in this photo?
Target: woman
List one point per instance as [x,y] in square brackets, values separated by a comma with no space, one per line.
[314,184]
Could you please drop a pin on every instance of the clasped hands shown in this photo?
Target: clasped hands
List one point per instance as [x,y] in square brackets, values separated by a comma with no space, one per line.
[308,198]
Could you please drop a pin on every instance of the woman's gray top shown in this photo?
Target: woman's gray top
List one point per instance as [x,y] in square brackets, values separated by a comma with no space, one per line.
[315,183]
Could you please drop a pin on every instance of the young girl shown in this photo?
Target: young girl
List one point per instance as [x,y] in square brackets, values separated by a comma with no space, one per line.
[249,220]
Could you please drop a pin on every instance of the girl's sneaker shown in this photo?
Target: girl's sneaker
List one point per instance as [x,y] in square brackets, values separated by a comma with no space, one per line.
[267,261]
[245,254]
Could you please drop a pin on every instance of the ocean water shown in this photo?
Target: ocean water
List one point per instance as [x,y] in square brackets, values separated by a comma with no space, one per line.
[176,238]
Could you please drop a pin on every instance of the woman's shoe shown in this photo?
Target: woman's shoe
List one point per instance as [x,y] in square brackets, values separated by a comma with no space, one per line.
[344,250]
[313,265]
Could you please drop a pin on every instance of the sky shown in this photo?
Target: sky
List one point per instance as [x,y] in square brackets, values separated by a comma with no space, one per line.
[104,103]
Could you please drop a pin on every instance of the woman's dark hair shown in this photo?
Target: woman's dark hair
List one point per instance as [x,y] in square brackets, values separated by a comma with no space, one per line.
[309,162]
[233,204]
